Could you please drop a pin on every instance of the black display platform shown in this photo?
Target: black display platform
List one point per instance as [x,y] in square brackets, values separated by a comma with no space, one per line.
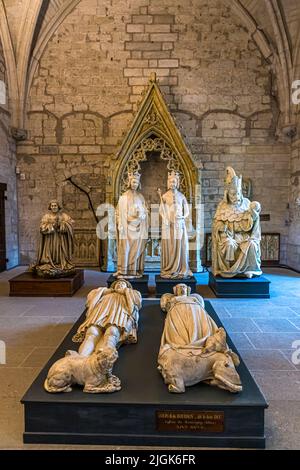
[166,285]
[30,285]
[140,284]
[129,417]
[240,288]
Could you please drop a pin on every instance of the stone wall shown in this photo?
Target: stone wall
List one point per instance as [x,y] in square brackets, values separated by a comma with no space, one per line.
[90,79]
[293,250]
[7,174]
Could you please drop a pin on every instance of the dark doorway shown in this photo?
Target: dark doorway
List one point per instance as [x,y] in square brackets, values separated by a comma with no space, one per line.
[2,228]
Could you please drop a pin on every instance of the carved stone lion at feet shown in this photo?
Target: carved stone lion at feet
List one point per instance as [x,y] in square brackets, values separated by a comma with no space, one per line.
[94,372]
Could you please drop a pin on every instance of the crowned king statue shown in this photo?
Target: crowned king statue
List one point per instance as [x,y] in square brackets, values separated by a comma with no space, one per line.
[132,230]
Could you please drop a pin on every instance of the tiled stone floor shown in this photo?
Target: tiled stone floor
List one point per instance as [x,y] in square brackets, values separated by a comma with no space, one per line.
[263,331]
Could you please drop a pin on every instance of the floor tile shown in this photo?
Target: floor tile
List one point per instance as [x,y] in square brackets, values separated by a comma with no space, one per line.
[279,325]
[240,341]
[261,312]
[38,357]
[279,385]
[240,325]
[273,340]
[266,360]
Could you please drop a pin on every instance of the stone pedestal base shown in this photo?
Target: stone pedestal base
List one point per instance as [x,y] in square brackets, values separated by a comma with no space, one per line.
[166,285]
[140,284]
[30,285]
[144,412]
[239,288]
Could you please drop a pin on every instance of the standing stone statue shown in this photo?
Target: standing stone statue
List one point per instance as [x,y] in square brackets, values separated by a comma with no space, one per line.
[236,232]
[193,349]
[56,243]
[174,211]
[111,320]
[132,230]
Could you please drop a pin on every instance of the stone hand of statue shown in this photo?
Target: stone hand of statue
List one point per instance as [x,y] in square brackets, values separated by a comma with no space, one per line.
[62,227]
[221,227]
[47,228]
[255,209]
[227,231]
[142,215]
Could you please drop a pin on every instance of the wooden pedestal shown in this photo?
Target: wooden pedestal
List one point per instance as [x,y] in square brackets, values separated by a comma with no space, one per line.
[30,285]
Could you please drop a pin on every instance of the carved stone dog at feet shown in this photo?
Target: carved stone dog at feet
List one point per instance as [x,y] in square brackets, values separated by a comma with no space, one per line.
[212,364]
[93,372]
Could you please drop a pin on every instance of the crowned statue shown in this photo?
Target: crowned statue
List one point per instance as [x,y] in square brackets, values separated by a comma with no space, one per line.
[236,232]
[174,212]
[56,243]
[132,230]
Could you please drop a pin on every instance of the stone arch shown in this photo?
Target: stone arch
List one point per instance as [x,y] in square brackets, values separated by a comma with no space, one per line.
[153,126]
[155,129]
[155,140]
[10,63]
[45,37]
[277,60]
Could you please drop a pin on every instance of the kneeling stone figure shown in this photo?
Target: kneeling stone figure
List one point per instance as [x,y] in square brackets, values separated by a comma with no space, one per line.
[193,349]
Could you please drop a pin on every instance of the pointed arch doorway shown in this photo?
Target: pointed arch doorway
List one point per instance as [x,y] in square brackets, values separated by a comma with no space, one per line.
[153,146]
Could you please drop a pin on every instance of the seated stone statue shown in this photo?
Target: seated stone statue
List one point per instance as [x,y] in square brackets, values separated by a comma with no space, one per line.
[111,320]
[236,232]
[56,243]
[193,348]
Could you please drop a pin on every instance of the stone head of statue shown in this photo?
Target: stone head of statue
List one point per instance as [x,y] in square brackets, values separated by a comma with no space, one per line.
[134,182]
[181,289]
[173,180]
[54,206]
[233,187]
[120,285]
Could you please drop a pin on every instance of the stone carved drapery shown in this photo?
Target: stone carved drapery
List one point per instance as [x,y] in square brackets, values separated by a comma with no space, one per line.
[270,249]
[154,130]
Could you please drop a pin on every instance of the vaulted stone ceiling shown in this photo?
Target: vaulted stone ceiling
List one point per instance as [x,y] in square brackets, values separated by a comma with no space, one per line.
[26,27]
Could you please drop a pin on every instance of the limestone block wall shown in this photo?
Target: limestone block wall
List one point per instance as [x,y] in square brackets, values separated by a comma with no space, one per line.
[7,173]
[88,84]
[293,249]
